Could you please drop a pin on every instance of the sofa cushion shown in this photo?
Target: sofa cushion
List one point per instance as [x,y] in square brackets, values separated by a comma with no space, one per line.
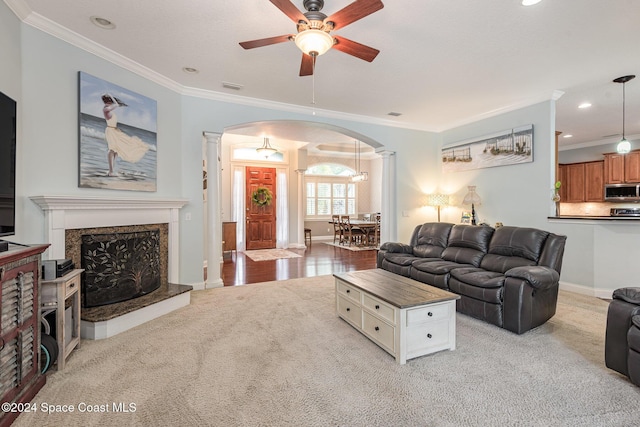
[470,236]
[502,263]
[432,238]
[490,295]
[436,266]
[630,295]
[467,244]
[400,259]
[518,242]
[479,277]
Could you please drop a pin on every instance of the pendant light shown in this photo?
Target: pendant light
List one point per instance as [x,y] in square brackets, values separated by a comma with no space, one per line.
[359,175]
[266,150]
[623,146]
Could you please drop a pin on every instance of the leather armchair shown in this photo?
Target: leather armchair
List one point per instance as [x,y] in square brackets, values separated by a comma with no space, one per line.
[622,342]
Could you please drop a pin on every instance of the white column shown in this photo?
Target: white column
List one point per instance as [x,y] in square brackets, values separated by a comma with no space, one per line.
[389,221]
[214,216]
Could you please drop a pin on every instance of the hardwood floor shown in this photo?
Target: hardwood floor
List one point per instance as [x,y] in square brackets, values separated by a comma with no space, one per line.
[317,260]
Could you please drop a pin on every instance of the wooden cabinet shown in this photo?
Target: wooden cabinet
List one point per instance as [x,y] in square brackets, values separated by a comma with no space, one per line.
[621,168]
[228,237]
[582,182]
[55,294]
[632,167]
[20,377]
[594,181]
[575,182]
[614,168]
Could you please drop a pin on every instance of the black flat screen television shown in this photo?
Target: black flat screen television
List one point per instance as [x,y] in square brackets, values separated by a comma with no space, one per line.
[7,165]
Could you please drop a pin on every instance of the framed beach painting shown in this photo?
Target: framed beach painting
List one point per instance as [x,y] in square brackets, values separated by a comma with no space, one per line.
[502,148]
[117,137]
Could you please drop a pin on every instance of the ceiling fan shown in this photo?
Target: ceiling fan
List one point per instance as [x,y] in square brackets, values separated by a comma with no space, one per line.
[314,28]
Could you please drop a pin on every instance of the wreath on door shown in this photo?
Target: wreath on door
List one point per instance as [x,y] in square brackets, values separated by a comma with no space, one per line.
[262,196]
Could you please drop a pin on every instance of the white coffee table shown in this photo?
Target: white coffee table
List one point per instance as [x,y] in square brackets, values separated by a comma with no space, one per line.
[406,318]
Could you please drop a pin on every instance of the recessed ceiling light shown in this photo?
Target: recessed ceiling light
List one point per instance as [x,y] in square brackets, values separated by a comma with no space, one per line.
[584,105]
[234,86]
[530,2]
[567,135]
[190,70]
[103,23]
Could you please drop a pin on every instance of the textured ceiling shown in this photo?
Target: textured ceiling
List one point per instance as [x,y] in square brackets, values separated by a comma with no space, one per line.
[443,63]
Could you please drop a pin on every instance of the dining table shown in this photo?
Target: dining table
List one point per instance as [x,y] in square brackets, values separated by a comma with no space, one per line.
[367,226]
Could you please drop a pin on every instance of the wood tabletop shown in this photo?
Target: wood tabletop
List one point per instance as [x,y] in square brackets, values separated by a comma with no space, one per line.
[399,291]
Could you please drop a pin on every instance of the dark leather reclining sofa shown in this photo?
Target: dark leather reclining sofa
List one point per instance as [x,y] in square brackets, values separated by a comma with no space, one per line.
[506,276]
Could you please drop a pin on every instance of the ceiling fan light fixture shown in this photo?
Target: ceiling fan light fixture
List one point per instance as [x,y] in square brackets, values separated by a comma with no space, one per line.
[314,42]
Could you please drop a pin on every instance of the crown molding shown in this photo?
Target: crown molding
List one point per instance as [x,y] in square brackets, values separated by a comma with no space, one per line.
[22,10]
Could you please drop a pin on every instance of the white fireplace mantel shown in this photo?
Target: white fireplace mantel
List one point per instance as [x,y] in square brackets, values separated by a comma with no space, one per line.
[74,212]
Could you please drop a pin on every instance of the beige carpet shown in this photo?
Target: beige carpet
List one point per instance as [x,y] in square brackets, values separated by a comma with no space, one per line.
[275,354]
[270,254]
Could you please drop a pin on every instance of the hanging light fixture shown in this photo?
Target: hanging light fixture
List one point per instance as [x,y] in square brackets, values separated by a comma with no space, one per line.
[313,42]
[266,150]
[623,146]
[359,175]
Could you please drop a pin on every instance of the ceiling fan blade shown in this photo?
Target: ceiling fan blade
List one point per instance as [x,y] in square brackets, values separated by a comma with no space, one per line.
[265,42]
[306,67]
[351,13]
[355,49]
[289,9]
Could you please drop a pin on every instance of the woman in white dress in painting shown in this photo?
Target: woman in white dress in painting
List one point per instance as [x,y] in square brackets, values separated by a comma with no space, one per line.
[129,148]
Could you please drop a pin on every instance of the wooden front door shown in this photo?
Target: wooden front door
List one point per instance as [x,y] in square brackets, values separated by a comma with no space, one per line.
[261,220]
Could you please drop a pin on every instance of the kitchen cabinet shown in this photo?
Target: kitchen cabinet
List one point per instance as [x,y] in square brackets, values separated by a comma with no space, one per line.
[621,168]
[582,182]
[575,182]
[594,181]
[632,166]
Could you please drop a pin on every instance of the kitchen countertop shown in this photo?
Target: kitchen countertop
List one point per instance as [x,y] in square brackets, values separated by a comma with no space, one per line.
[599,218]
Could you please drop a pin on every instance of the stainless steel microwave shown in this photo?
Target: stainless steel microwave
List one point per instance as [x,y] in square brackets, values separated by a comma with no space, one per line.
[622,192]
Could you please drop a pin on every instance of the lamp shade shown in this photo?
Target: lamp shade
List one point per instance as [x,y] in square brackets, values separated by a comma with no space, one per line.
[471,197]
[314,42]
[438,200]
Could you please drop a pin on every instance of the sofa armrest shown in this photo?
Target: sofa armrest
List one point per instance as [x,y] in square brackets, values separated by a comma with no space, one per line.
[394,247]
[630,295]
[538,277]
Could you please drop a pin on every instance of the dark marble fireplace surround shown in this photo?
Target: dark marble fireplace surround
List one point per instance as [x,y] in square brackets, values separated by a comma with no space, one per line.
[163,290]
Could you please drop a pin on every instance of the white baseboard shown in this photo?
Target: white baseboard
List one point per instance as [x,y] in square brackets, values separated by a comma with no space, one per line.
[586,290]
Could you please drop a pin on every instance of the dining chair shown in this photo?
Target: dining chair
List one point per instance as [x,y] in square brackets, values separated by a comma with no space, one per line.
[356,234]
[337,229]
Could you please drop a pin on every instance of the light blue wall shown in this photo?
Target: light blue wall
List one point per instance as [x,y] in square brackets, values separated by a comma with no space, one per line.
[49,143]
[42,75]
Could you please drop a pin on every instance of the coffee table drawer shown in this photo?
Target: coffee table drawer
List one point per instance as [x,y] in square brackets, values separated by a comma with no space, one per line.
[381,332]
[350,311]
[380,308]
[349,291]
[428,337]
[431,313]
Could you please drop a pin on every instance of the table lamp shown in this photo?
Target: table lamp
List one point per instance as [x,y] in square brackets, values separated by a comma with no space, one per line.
[438,200]
[472,199]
